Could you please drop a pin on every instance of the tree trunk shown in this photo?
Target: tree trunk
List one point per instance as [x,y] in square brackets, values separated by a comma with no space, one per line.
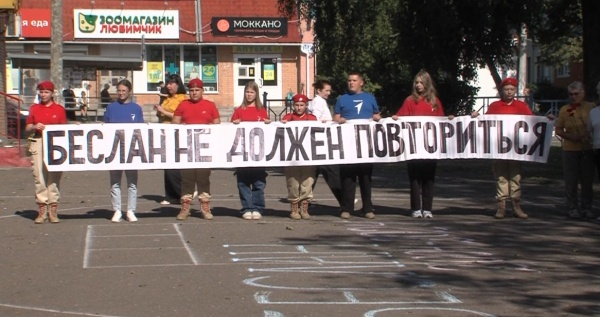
[489,62]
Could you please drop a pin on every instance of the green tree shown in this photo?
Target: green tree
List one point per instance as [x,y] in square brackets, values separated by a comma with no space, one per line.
[560,35]
[591,45]
[390,40]
[570,32]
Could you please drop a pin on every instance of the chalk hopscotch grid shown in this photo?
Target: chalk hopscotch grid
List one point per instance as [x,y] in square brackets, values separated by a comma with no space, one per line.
[344,259]
[273,260]
[91,236]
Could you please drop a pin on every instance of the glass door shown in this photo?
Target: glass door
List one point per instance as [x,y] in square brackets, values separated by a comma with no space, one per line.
[265,70]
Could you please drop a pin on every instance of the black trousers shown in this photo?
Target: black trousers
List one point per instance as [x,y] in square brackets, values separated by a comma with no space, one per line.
[331,174]
[421,176]
[597,161]
[349,173]
[172,184]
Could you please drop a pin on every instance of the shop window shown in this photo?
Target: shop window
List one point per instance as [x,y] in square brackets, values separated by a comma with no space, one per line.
[113,77]
[191,63]
[154,66]
[210,68]
[196,63]
[172,60]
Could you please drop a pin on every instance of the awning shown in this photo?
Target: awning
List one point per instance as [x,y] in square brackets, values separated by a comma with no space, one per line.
[42,61]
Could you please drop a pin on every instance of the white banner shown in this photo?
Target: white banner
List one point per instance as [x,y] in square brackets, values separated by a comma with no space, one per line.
[166,146]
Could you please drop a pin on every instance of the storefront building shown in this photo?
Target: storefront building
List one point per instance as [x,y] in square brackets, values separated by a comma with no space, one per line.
[224,43]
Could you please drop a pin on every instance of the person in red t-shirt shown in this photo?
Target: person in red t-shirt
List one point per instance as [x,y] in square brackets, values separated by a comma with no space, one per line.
[196,110]
[299,179]
[508,172]
[47,193]
[421,173]
[251,181]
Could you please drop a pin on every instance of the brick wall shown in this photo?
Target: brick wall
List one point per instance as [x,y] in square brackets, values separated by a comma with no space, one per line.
[292,67]
[576,74]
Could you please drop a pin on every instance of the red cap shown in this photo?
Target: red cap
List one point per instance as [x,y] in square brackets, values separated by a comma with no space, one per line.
[46,85]
[509,81]
[196,83]
[300,98]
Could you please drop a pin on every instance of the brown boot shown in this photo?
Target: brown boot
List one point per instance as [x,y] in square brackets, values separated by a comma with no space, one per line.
[186,202]
[42,214]
[205,208]
[294,214]
[501,209]
[517,211]
[53,214]
[304,210]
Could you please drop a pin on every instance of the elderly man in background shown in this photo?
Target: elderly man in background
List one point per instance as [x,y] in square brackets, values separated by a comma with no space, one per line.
[578,156]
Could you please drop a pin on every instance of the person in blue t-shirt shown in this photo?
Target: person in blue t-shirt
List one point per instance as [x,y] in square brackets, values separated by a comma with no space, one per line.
[356,104]
[123,110]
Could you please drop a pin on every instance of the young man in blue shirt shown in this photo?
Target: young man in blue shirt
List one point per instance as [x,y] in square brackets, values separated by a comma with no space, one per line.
[356,104]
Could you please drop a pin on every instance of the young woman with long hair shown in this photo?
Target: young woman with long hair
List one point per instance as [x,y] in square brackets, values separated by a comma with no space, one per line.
[251,181]
[421,173]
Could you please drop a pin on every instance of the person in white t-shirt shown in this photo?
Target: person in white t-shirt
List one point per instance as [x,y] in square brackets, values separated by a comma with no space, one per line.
[83,103]
[593,125]
[320,109]
[318,106]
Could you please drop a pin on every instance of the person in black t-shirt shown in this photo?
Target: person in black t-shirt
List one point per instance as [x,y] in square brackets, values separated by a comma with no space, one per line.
[69,97]
[105,96]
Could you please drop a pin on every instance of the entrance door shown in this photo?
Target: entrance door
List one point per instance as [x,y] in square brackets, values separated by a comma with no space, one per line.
[265,70]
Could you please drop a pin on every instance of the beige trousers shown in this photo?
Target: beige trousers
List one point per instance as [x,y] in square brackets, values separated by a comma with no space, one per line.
[195,179]
[299,182]
[46,183]
[508,179]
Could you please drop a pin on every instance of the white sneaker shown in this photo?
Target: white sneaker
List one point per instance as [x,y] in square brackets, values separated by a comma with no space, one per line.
[247,215]
[256,215]
[165,202]
[131,216]
[427,214]
[417,214]
[117,216]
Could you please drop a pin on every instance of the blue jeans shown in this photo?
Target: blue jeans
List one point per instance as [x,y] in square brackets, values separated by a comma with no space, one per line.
[251,187]
[115,189]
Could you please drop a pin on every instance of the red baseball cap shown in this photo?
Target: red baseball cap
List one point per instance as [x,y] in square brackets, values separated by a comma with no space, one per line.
[196,83]
[509,81]
[300,98]
[46,85]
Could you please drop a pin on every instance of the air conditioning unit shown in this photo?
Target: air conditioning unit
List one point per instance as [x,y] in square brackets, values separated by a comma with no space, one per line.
[13,27]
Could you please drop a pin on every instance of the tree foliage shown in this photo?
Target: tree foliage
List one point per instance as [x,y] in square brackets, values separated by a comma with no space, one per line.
[560,35]
[590,10]
[391,40]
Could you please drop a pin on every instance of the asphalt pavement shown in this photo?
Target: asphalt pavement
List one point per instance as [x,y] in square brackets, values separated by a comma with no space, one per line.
[460,263]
